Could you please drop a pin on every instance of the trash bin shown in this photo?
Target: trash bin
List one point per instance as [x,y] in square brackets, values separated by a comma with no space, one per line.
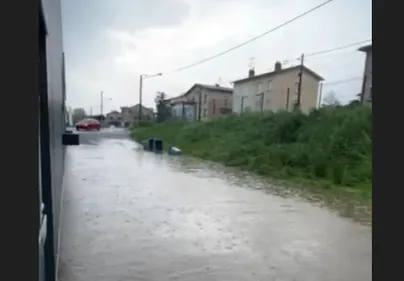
[151,144]
[158,145]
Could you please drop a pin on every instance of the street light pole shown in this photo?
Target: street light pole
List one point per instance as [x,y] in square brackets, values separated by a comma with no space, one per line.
[140,96]
[102,102]
[143,76]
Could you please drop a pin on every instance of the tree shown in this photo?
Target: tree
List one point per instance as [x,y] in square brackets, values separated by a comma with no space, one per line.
[160,97]
[330,99]
[78,114]
[163,110]
[356,102]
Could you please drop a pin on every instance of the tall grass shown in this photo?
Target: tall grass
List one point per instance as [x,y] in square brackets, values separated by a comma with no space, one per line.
[331,145]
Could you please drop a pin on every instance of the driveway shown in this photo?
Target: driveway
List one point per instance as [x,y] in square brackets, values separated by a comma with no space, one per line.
[134,215]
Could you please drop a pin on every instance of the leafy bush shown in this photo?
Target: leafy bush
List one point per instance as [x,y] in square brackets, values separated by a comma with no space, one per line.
[143,124]
[331,144]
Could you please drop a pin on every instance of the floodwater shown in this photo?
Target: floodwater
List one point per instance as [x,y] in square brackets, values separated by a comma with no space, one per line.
[134,215]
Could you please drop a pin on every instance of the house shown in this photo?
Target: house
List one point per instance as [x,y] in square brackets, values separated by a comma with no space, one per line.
[202,101]
[366,93]
[276,90]
[184,109]
[100,118]
[130,114]
[170,101]
[114,118]
[181,107]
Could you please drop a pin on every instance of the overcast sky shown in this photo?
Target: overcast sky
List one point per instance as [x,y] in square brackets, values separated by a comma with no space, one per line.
[109,43]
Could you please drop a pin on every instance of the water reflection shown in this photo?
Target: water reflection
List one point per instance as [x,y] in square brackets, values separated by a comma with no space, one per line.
[134,215]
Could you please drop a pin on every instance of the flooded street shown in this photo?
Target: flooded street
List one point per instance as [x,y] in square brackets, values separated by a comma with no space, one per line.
[134,215]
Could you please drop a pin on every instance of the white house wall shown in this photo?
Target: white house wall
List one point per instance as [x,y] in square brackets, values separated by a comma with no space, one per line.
[275,89]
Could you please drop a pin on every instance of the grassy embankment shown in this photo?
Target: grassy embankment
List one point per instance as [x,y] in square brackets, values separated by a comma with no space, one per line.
[328,151]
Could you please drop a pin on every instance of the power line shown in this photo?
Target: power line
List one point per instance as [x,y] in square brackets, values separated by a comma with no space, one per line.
[255,38]
[336,82]
[356,78]
[327,51]
[330,50]
[345,97]
[337,48]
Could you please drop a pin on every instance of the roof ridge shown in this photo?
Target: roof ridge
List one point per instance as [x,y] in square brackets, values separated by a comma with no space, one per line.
[312,72]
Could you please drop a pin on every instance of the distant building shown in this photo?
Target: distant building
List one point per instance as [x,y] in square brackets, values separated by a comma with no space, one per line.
[202,101]
[114,118]
[276,90]
[100,118]
[130,114]
[184,109]
[366,94]
[174,100]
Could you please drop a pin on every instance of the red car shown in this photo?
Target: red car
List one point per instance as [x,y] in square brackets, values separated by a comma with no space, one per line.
[88,125]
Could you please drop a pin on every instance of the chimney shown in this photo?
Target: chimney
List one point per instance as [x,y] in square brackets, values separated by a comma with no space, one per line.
[278,66]
[251,72]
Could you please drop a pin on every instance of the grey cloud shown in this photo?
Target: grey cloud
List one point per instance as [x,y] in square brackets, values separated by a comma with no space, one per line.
[90,65]
[85,16]
[85,22]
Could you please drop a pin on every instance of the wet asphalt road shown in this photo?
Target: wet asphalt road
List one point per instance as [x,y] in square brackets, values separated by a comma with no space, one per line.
[134,215]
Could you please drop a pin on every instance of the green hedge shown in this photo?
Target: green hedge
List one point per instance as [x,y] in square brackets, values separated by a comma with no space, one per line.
[332,145]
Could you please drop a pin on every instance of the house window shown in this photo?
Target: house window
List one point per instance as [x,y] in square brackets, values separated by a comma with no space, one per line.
[269,86]
[204,112]
[225,102]
[245,90]
[260,88]
[205,98]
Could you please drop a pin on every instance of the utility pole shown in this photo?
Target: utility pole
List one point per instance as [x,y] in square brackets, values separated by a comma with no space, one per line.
[195,109]
[261,95]
[140,96]
[242,104]
[320,94]
[102,103]
[299,85]
[287,98]
[362,95]
[261,101]
[199,105]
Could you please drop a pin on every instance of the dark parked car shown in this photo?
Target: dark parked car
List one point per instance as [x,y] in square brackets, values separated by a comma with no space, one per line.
[88,125]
